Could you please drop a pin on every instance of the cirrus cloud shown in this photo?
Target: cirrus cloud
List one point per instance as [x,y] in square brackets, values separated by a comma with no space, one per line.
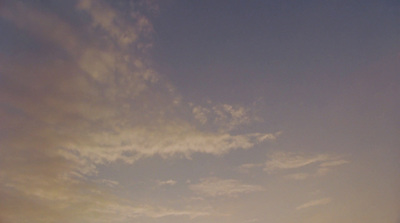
[279,161]
[88,95]
[214,187]
[313,203]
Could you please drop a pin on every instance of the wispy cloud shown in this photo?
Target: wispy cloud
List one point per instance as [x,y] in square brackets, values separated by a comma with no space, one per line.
[168,140]
[92,97]
[214,187]
[225,116]
[107,102]
[323,163]
[334,163]
[167,182]
[200,114]
[118,27]
[313,203]
[282,160]
[126,212]
[109,183]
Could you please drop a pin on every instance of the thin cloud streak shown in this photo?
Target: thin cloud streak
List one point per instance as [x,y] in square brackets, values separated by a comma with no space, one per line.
[313,203]
[167,182]
[279,161]
[215,187]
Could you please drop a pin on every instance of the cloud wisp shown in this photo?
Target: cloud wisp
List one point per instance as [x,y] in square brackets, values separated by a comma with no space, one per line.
[280,161]
[215,187]
[225,116]
[314,203]
[166,182]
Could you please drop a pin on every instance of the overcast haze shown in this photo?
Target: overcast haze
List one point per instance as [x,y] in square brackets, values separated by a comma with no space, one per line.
[199,111]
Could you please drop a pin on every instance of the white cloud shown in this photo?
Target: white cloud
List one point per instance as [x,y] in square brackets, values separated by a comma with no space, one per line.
[99,103]
[59,194]
[106,102]
[200,114]
[214,187]
[293,161]
[313,203]
[134,143]
[125,212]
[227,117]
[167,182]
[67,104]
[109,183]
[334,163]
[282,160]
[271,137]
[231,116]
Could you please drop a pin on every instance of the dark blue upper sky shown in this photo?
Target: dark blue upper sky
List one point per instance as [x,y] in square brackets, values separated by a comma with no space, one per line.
[218,45]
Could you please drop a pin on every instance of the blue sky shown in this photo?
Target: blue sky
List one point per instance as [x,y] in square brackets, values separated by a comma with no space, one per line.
[199,111]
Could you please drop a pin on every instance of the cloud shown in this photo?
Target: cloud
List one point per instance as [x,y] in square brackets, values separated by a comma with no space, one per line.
[126,212]
[200,114]
[167,140]
[167,182]
[107,102]
[225,116]
[232,116]
[313,203]
[214,187]
[282,160]
[74,200]
[88,95]
[110,21]
[109,183]
[279,161]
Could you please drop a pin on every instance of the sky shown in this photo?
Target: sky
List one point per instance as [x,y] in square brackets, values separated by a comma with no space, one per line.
[199,111]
